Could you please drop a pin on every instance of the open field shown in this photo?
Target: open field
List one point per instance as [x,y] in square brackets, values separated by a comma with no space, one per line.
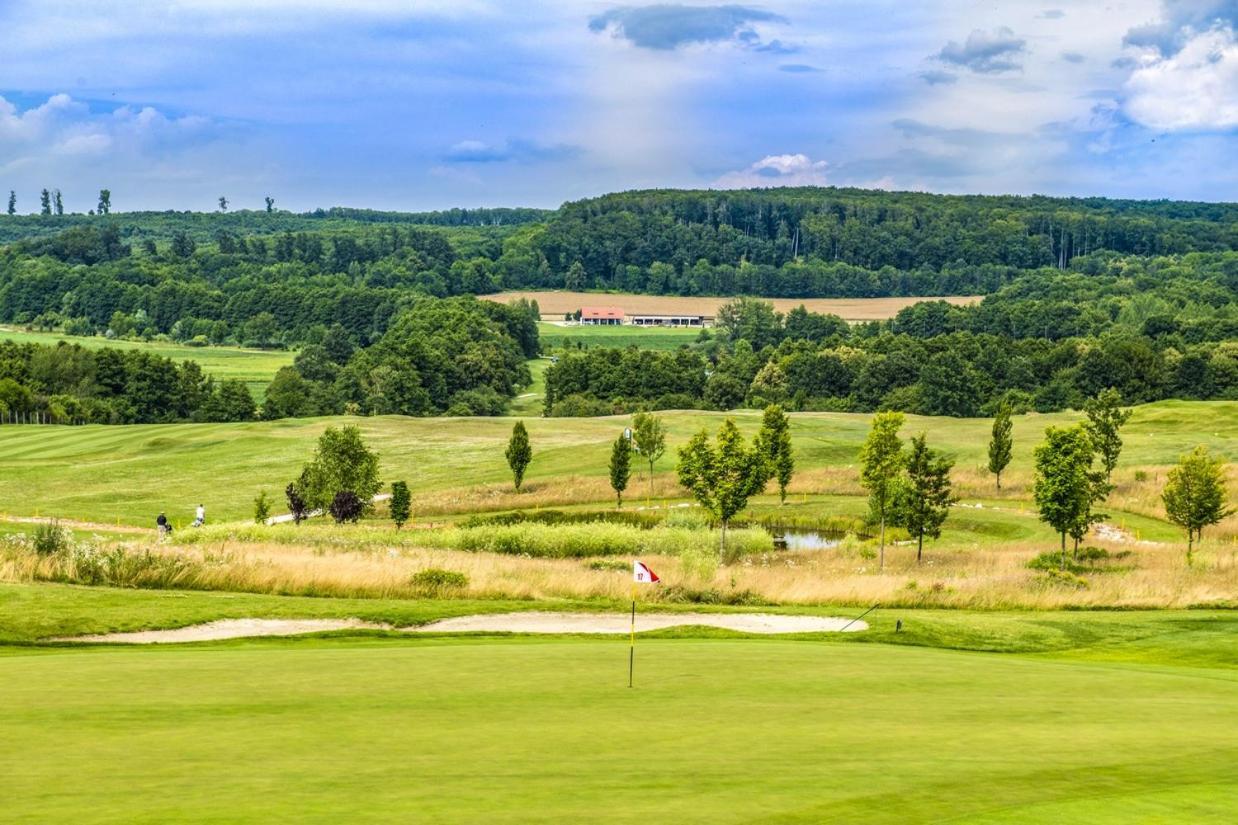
[255,367]
[553,336]
[1102,717]
[554,304]
[453,465]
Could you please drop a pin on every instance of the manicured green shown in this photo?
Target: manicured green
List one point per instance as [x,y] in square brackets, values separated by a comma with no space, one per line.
[554,336]
[105,473]
[255,367]
[1097,717]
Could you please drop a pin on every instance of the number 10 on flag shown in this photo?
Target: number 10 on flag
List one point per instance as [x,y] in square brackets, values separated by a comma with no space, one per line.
[641,574]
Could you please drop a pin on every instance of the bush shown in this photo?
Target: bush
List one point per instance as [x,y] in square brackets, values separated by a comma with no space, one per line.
[596,539]
[1141,475]
[435,580]
[346,506]
[610,565]
[262,508]
[51,538]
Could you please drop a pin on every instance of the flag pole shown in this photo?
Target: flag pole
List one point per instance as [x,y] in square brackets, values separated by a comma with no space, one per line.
[632,639]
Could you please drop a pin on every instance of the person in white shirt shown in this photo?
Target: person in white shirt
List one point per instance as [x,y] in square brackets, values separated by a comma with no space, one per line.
[201,519]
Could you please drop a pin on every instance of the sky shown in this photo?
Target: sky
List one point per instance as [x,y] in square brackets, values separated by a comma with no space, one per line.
[399,104]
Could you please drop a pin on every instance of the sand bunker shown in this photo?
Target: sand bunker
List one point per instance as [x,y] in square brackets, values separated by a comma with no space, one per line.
[537,622]
[530,622]
[226,629]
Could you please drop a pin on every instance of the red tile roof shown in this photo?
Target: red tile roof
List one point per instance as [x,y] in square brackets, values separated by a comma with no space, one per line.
[601,312]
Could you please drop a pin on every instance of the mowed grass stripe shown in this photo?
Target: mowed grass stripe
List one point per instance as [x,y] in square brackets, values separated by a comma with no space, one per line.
[716,731]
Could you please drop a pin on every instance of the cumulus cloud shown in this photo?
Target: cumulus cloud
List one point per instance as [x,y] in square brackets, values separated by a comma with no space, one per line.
[514,150]
[776,170]
[985,52]
[667,27]
[1196,88]
[1180,21]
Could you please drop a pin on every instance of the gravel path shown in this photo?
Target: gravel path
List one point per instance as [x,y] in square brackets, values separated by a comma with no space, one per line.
[528,622]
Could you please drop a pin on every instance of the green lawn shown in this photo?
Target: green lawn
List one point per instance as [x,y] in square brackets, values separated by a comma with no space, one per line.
[255,367]
[554,336]
[1098,717]
[105,473]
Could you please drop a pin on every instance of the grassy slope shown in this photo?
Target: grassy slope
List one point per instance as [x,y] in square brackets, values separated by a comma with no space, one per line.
[255,367]
[1100,717]
[553,336]
[101,473]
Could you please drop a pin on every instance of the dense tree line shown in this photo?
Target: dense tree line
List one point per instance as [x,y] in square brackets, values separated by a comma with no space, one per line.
[809,361]
[456,356]
[71,384]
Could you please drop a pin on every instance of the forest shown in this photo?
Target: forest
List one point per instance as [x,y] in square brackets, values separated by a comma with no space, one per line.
[1075,290]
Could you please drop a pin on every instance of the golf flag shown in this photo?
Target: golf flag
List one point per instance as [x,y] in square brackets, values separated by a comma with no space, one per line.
[641,574]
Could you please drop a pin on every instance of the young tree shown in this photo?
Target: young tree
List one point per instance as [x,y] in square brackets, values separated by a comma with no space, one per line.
[341,462]
[1001,444]
[1065,483]
[1194,495]
[722,477]
[105,201]
[1105,419]
[223,204]
[297,505]
[346,506]
[270,204]
[519,453]
[923,502]
[12,202]
[649,438]
[774,440]
[881,460]
[620,466]
[262,508]
[58,201]
[45,202]
[401,503]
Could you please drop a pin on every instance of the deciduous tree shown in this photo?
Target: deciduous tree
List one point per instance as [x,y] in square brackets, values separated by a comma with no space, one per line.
[649,438]
[401,503]
[1065,483]
[1001,444]
[722,476]
[923,501]
[342,461]
[1194,495]
[881,460]
[774,440]
[620,466]
[519,453]
[1105,419]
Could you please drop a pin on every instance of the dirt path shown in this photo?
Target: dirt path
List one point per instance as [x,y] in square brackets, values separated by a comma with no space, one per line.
[530,622]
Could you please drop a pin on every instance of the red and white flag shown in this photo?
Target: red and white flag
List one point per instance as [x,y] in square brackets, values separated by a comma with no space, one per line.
[641,574]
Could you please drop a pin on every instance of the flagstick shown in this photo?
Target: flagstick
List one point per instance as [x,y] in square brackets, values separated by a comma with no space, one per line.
[632,639]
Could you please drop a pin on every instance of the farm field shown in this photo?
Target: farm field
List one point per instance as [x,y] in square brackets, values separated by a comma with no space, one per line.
[554,304]
[255,367]
[1099,717]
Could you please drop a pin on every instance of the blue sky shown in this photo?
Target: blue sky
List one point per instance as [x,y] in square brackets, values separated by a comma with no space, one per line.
[418,105]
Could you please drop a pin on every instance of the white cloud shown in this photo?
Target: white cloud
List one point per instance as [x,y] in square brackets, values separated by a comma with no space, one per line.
[1196,88]
[776,170]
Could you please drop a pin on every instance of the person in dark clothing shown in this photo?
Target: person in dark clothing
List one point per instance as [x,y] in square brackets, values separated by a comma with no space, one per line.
[162,524]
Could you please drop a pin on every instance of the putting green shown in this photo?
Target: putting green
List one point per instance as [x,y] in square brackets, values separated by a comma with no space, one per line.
[519,730]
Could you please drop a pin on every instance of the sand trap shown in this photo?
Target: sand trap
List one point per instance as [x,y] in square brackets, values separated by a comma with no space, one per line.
[537,622]
[226,629]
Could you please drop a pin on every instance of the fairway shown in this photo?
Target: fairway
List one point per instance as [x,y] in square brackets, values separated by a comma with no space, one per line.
[555,336]
[717,730]
[253,366]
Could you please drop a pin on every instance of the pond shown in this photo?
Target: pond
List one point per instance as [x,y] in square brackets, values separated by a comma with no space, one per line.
[795,538]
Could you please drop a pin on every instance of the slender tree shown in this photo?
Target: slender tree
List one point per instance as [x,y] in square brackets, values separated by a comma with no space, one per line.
[262,508]
[297,504]
[12,202]
[881,460]
[722,476]
[923,501]
[519,453]
[1105,419]
[649,438]
[223,204]
[58,202]
[270,204]
[1194,495]
[45,202]
[105,201]
[774,440]
[1001,444]
[620,466]
[401,503]
[1064,480]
